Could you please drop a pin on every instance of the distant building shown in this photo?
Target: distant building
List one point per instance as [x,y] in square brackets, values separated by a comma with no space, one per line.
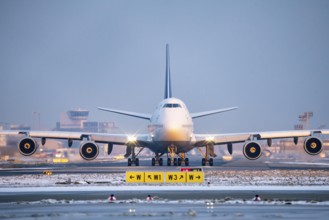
[21,127]
[3,140]
[72,120]
[77,120]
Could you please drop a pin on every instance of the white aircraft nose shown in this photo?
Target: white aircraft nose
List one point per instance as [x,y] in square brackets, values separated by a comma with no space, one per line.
[174,133]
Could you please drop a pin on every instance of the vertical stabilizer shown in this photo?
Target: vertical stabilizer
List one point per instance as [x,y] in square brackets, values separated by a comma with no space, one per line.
[168,81]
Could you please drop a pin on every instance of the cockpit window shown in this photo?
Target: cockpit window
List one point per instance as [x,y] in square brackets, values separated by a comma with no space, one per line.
[168,105]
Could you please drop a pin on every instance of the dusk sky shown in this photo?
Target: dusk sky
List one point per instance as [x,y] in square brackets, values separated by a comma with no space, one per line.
[269,58]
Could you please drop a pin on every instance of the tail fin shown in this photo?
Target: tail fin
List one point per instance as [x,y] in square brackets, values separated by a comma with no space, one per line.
[168,81]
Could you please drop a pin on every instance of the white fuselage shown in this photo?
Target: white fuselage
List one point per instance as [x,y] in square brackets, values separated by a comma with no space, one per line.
[171,125]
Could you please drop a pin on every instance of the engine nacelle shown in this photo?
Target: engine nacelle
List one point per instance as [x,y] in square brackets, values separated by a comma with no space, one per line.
[313,145]
[252,150]
[89,150]
[27,146]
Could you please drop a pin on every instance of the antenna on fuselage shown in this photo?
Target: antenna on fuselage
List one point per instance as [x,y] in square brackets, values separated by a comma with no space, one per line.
[168,81]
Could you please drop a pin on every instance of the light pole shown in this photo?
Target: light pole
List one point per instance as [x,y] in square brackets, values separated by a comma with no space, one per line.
[305,118]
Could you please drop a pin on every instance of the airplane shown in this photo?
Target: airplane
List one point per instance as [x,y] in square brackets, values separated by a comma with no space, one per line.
[171,133]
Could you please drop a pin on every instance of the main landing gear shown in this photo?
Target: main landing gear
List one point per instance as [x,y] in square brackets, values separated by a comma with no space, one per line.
[157,160]
[209,153]
[172,159]
[178,161]
[133,159]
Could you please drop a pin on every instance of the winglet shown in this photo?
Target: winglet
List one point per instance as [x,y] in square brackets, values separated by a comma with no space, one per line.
[168,81]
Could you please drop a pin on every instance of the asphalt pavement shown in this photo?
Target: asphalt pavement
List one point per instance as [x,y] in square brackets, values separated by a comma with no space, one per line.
[145,165]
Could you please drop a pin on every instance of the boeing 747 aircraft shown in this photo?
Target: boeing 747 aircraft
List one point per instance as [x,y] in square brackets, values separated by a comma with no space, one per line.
[171,133]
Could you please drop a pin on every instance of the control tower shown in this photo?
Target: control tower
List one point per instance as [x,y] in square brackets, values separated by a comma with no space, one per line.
[77,120]
[72,120]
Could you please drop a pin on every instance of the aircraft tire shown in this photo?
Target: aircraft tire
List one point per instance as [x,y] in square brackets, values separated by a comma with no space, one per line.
[179,161]
[203,162]
[153,161]
[160,162]
[137,162]
[175,161]
[129,162]
[211,162]
[169,162]
[187,162]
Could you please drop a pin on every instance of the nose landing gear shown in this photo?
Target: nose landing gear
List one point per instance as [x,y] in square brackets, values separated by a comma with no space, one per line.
[172,160]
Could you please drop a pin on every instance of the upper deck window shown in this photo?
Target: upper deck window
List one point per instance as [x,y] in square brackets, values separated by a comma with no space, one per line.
[168,105]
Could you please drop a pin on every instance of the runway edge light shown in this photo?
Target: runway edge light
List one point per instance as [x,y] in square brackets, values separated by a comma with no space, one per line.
[135,177]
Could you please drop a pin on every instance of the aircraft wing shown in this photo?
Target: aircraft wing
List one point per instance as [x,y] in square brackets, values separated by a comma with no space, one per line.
[120,139]
[216,139]
[206,113]
[89,150]
[132,114]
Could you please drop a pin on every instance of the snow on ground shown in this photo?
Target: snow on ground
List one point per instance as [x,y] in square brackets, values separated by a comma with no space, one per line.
[62,180]
[269,177]
[212,179]
[313,181]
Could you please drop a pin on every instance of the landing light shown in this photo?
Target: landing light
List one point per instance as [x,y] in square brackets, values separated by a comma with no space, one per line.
[210,139]
[132,139]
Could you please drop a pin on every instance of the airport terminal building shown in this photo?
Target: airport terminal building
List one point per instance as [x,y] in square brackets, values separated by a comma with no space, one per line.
[77,120]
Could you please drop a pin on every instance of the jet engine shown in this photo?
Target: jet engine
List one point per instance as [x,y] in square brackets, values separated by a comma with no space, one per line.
[252,150]
[27,146]
[89,150]
[313,145]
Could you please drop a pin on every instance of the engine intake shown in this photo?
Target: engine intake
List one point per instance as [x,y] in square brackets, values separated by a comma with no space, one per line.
[252,150]
[89,150]
[313,145]
[27,146]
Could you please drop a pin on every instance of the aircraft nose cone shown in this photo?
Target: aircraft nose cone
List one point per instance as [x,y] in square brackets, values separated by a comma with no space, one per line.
[173,133]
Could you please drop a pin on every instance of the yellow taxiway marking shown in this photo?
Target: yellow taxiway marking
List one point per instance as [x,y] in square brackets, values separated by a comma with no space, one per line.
[176,177]
[135,177]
